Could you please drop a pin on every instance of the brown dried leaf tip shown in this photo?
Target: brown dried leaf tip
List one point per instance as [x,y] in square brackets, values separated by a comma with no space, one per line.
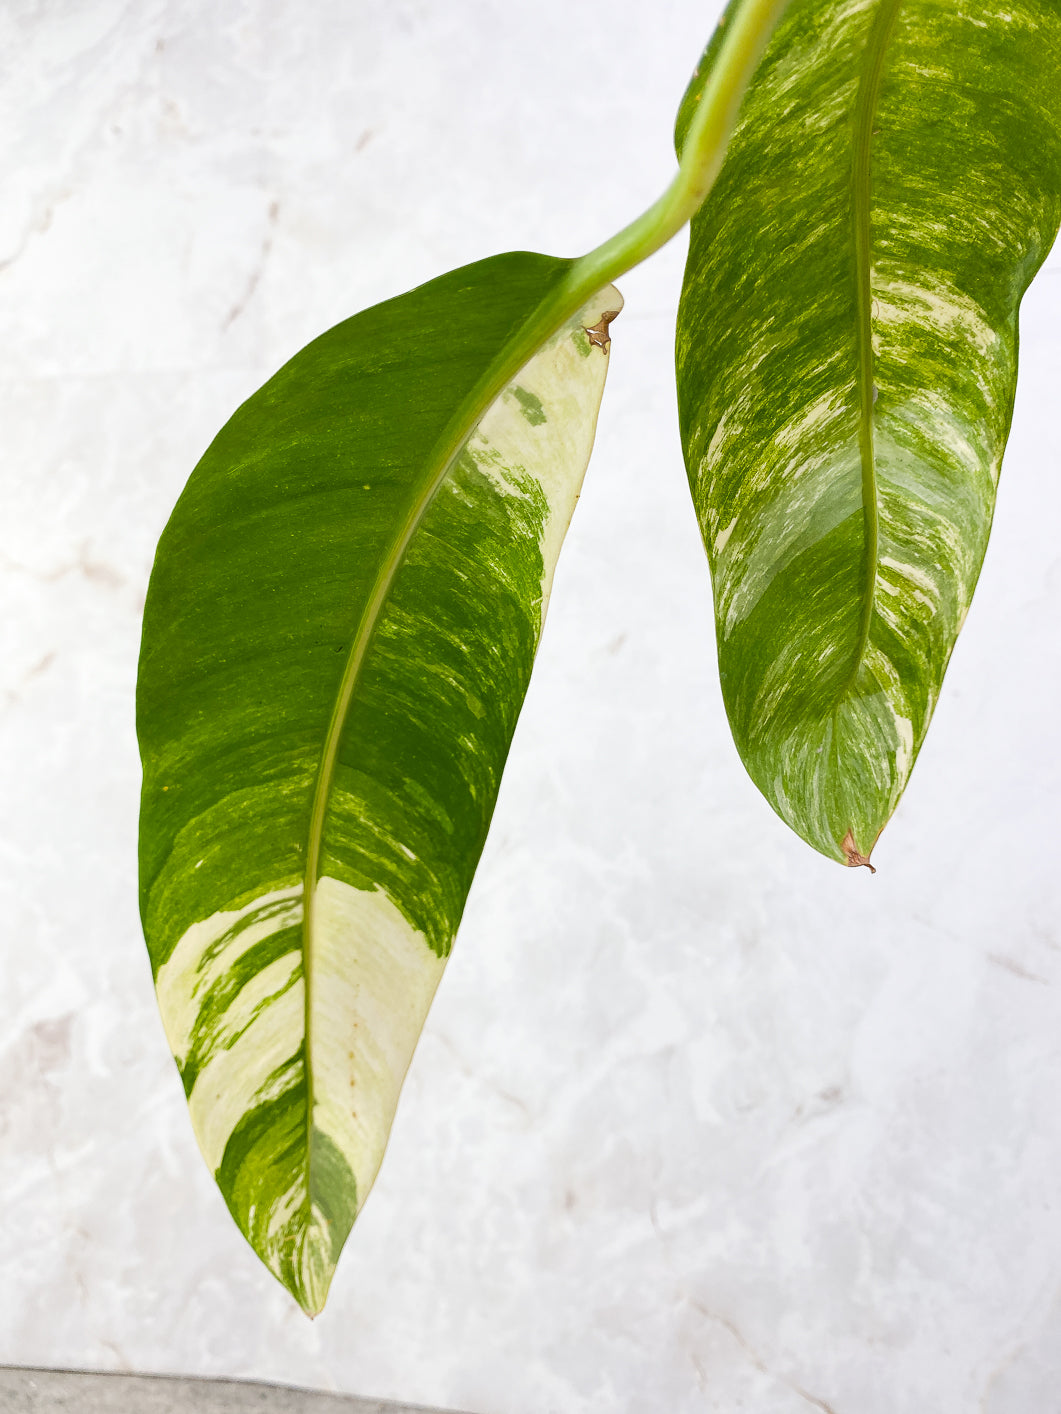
[598,333]
[852,856]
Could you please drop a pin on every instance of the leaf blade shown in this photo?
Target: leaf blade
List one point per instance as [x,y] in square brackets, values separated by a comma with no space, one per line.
[333,581]
[846,366]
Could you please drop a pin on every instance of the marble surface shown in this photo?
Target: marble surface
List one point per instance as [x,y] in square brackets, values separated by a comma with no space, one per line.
[700,1121]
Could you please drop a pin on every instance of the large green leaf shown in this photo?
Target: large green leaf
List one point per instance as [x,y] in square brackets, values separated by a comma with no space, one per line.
[338,637]
[846,352]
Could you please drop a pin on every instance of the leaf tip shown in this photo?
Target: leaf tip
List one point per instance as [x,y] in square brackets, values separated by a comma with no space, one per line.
[853,857]
[311,1298]
[303,1258]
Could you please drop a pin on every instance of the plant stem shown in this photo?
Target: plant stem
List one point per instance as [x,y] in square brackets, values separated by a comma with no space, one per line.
[702,155]
[750,26]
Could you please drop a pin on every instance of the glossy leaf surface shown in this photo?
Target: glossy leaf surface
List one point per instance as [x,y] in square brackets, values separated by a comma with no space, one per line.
[846,354]
[338,637]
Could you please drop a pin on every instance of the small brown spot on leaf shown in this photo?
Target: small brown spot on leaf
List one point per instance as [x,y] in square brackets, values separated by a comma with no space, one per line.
[852,856]
[598,333]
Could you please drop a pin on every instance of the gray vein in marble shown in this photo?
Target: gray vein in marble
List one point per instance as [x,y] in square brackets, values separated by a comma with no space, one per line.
[258,270]
[757,1360]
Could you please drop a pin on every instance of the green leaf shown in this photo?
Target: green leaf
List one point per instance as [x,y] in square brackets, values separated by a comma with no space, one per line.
[338,637]
[846,354]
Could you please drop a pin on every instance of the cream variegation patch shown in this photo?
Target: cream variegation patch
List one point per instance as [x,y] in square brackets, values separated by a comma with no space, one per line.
[208,951]
[372,980]
[939,306]
[810,501]
[236,1079]
[544,422]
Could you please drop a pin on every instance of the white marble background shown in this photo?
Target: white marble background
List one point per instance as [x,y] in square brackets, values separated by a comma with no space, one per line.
[700,1121]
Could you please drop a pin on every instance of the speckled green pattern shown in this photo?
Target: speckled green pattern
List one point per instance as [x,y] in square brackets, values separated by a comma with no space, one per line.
[298,916]
[846,357]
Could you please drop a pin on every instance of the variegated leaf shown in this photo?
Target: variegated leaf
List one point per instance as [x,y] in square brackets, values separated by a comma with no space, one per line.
[337,641]
[846,352]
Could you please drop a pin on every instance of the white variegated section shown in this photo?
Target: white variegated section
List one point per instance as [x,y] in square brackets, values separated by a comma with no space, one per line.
[901,303]
[270,1010]
[544,423]
[372,979]
[315,1264]
[927,511]
[795,490]
[261,1028]
[786,85]
[930,504]
[816,491]
[205,955]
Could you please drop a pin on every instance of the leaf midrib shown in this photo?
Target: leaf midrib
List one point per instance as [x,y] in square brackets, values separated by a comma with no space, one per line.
[436,468]
[559,304]
[861,201]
